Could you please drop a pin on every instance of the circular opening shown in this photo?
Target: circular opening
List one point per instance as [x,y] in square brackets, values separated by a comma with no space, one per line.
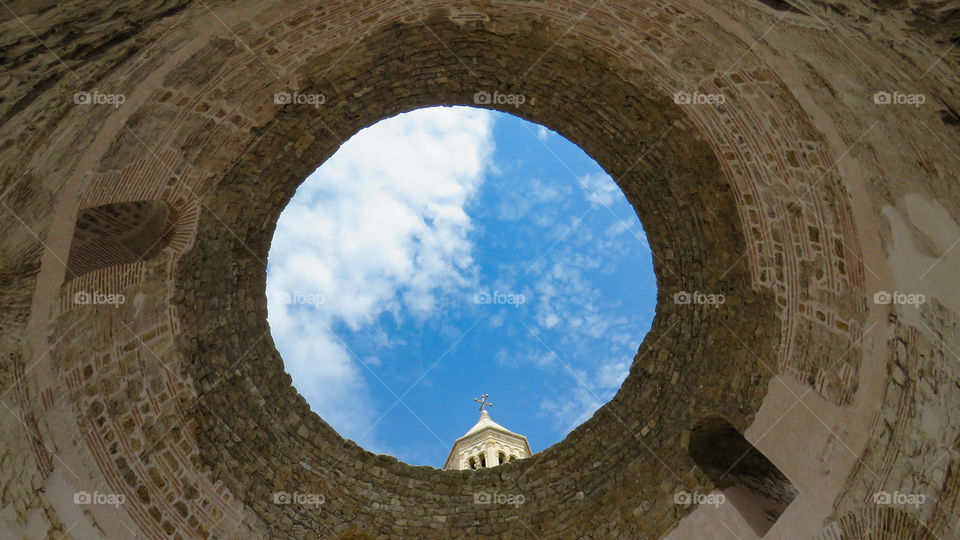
[450,252]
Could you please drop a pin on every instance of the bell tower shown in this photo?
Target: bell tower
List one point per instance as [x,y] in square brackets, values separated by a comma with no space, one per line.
[486,444]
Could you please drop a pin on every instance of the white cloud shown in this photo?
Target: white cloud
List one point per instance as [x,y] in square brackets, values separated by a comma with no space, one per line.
[573,408]
[542,133]
[548,318]
[618,227]
[596,348]
[585,395]
[547,191]
[380,228]
[600,188]
[531,354]
[612,374]
[513,209]
[528,196]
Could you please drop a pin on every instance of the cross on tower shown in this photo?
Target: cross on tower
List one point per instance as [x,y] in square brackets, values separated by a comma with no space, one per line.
[483,401]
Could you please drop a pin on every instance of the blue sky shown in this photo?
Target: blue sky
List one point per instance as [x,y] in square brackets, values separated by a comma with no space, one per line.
[450,252]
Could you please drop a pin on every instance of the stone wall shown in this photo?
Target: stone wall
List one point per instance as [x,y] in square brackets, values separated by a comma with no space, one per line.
[784,198]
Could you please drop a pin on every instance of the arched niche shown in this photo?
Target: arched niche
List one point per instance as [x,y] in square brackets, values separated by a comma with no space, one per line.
[119,233]
[750,481]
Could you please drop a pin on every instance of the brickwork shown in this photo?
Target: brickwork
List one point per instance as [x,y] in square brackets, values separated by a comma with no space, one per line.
[907,456]
[176,398]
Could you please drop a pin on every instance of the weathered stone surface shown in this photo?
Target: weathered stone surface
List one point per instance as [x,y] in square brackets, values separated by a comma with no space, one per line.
[792,198]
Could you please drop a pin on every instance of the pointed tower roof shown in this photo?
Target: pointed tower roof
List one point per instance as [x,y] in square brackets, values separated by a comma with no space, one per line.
[481,434]
[487,422]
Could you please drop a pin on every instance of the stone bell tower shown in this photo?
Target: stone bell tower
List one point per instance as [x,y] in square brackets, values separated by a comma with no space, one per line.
[486,444]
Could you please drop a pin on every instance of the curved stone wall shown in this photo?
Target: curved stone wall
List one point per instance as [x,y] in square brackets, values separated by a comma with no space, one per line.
[770,153]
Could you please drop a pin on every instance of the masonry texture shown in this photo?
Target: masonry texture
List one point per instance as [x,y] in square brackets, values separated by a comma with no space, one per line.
[799,198]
